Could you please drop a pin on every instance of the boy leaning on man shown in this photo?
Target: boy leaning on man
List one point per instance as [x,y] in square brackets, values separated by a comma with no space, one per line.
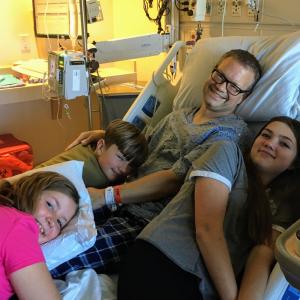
[112,158]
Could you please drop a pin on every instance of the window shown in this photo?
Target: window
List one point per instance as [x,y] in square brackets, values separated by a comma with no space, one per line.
[51,17]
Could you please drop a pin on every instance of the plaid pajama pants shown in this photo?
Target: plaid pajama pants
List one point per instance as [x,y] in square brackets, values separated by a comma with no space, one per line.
[115,233]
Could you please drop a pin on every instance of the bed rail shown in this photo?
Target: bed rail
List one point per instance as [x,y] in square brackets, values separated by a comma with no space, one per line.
[142,109]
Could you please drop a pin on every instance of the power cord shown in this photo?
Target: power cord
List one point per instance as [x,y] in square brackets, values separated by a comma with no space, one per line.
[162,10]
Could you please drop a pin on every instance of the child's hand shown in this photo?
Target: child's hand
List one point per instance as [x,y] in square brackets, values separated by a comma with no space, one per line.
[97,196]
[87,137]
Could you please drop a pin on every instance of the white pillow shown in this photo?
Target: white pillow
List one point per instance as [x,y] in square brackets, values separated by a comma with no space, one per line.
[277,92]
[80,234]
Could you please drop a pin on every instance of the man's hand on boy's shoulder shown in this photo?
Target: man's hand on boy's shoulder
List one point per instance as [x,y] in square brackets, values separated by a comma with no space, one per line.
[97,197]
[87,137]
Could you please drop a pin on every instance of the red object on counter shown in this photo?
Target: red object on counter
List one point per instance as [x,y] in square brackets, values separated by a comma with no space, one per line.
[15,156]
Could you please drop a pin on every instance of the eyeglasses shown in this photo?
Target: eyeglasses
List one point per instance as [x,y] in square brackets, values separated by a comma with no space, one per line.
[231,88]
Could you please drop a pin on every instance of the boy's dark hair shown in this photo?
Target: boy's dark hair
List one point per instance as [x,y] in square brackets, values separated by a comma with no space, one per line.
[129,140]
[247,59]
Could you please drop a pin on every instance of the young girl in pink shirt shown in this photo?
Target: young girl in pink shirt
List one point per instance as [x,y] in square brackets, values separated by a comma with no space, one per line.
[33,210]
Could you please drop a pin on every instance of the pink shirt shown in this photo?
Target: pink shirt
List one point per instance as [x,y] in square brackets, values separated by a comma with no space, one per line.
[19,245]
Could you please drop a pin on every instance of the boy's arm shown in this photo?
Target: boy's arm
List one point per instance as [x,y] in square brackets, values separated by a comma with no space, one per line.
[211,197]
[257,271]
[155,186]
[87,137]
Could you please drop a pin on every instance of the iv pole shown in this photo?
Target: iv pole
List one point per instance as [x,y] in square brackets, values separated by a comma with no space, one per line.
[83,19]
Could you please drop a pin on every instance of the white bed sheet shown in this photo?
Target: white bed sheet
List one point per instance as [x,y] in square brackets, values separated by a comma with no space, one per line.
[87,284]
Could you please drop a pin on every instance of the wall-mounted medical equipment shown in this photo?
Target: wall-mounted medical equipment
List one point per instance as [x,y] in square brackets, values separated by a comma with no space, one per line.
[132,47]
[67,74]
[196,9]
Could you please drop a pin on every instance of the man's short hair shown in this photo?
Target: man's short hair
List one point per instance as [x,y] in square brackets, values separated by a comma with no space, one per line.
[129,139]
[247,59]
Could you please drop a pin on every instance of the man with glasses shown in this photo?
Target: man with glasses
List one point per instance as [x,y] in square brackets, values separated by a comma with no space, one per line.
[232,88]
[176,141]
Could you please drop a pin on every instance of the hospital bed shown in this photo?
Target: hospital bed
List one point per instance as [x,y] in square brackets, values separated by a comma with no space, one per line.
[277,93]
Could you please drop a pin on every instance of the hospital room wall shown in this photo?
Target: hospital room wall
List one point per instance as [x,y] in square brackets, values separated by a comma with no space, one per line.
[121,19]
[98,31]
[32,121]
[275,17]
[129,19]
[17,29]
[16,21]
[25,113]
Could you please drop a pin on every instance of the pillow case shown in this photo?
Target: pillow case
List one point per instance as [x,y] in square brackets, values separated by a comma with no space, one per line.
[80,233]
[277,92]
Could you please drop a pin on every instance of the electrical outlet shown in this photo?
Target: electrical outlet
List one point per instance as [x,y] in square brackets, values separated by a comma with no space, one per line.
[25,43]
[251,3]
[236,9]
[220,7]
[251,7]
[251,12]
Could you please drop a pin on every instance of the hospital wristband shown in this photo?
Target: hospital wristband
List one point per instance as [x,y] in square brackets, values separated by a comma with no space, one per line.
[110,199]
[117,194]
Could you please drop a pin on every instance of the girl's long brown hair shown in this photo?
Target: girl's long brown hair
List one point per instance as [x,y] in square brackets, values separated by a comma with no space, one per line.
[259,213]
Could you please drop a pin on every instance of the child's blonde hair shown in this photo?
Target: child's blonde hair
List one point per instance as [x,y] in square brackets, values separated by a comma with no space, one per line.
[24,193]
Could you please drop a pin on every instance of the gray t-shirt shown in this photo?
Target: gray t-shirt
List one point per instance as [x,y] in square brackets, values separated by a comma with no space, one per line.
[176,142]
[173,231]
